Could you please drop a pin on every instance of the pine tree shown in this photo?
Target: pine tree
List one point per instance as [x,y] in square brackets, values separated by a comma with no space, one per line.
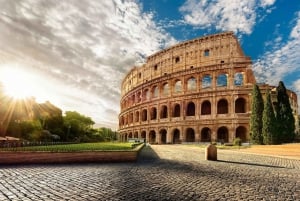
[256,116]
[269,122]
[284,115]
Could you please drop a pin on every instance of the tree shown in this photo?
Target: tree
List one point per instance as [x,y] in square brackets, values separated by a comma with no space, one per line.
[284,115]
[269,122]
[256,116]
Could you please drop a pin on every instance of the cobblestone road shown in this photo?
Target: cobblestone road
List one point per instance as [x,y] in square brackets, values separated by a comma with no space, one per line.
[163,172]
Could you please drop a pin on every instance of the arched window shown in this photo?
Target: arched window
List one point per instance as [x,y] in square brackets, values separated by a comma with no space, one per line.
[139,96]
[205,108]
[176,111]
[177,86]
[240,105]
[137,116]
[165,91]
[241,132]
[191,84]
[190,111]
[130,118]
[222,80]
[155,92]
[146,94]
[190,135]
[205,135]
[222,134]
[153,113]
[164,112]
[206,81]
[206,53]
[144,115]
[238,79]
[222,106]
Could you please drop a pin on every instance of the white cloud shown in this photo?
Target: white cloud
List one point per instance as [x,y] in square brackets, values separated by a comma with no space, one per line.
[235,15]
[282,60]
[84,48]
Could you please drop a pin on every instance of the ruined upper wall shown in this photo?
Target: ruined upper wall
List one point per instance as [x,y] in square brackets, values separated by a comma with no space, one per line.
[201,52]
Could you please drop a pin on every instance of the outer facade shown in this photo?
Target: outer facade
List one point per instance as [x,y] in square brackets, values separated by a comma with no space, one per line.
[195,91]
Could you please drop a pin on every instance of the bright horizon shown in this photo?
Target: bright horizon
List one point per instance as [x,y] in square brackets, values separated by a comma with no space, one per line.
[75,54]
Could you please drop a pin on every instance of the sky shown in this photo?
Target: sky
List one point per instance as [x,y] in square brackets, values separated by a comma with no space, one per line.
[75,53]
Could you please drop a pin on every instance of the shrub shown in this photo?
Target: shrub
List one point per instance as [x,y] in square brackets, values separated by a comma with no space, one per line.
[237,141]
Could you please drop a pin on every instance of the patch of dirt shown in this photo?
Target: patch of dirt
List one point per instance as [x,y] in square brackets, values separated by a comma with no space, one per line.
[285,150]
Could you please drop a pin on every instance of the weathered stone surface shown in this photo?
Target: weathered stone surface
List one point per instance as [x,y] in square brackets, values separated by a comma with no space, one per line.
[211,153]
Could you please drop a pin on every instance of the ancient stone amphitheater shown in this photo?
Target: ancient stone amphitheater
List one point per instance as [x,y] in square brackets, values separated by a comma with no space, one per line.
[195,91]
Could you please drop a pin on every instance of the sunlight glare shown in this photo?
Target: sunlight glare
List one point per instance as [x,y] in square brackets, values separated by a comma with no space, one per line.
[18,83]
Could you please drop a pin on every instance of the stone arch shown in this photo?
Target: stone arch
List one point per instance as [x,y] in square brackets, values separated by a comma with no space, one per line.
[239,79]
[177,86]
[130,119]
[222,107]
[190,109]
[222,134]
[132,99]
[176,110]
[130,135]
[139,96]
[163,112]
[153,113]
[205,134]
[155,92]
[191,84]
[136,134]
[165,89]
[240,105]
[241,132]
[152,137]
[146,94]
[205,108]
[222,80]
[137,116]
[125,137]
[176,136]
[144,115]
[189,135]
[206,81]
[143,135]
[163,136]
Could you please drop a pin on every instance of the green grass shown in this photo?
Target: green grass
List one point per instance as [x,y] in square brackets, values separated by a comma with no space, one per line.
[103,146]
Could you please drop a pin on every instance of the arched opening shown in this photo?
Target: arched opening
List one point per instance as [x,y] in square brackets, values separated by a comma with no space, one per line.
[164,112]
[205,135]
[136,135]
[133,99]
[238,79]
[177,86]
[125,137]
[222,106]
[144,115]
[152,137]
[153,113]
[206,108]
[137,116]
[240,105]
[143,135]
[222,80]
[190,110]
[155,92]
[190,135]
[130,135]
[191,84]
[163,136]
[206,81]
[139,96]
[176,136]
[176,111]
[222,134]
[165,91]
[146,94]
[130,118]
[241,132]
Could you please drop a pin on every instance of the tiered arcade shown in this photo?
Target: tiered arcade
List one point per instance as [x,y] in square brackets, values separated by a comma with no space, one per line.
[195,91]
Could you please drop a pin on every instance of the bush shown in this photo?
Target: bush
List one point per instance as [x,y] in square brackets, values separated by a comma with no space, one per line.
[237,141]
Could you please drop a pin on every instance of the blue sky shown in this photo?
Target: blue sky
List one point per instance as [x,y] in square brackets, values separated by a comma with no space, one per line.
[75,53]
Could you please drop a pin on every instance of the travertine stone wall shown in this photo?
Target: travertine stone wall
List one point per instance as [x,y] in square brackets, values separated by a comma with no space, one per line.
[195,91]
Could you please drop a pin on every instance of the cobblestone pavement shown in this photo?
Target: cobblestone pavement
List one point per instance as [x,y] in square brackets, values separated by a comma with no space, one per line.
[163,172]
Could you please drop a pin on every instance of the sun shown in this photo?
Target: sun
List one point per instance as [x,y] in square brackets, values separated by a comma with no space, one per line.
[18,83]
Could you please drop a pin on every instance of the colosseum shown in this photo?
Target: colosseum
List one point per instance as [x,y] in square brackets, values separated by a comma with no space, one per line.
[196,91]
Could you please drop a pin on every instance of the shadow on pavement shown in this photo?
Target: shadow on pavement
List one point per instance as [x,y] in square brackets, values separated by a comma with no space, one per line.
[147,154]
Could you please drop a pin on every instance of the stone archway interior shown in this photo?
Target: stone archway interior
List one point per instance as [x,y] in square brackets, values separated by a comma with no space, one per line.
[190,135]
[206,135]
[176,136]
[223,134]
[163,136]
[241,132]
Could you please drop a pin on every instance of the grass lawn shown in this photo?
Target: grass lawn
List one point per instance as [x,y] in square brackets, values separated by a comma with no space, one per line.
[101,146]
